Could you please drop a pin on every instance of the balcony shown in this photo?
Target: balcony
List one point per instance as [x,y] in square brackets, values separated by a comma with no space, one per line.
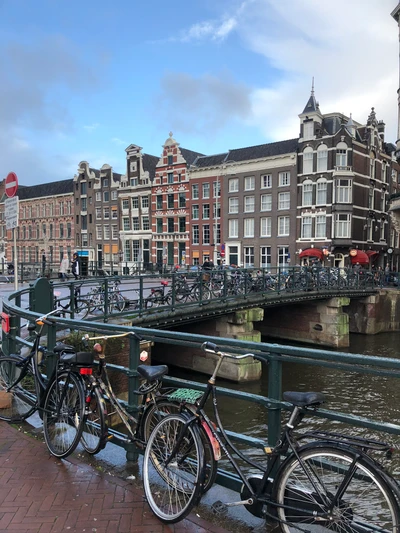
[342,170]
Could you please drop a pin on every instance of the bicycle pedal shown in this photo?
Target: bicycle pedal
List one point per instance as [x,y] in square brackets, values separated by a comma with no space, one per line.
[219,508]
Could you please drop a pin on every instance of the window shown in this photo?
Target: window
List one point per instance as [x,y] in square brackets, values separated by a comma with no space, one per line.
[342,225]
[114,195]
[284,200]
[234,205]
[106,213]
[125,224]
[170,201]
[195,211]
[182,199]
[206,211]
[61,231]
[383,202]
[371,196]
[265,227]
[266,181]
[159,225]
[216,189]
[372,168]
[106,196]
[308,158]
[135,203]
[106,229]
[206,190]
[83,187]
[308,130]
[248,227]
[266,202]
[114,231]
[170,177]
[182,224]
[249,204]
[98,233]
[284,179]
[84,222]
[322,189]
[283,256]
[320,226]
[69,230]
[343,191]
[125,204]
[341,155]
[195,192]
[216,210]
[83,204]
[170,225]
[322,158]
[145,202]
[233,185]
[206,234]
[170,159]
[159,201]
[133,182]
[306,227]
[145,223]
[195,234]
[307,192]
[233,228]
[249,183]
[283,226]
[105,182]
[135,224]
[248,256]
[265,257]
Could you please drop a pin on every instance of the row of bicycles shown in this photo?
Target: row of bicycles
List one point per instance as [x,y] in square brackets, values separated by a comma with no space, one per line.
[310,481]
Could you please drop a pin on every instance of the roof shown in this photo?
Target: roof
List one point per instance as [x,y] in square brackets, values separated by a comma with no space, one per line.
[54,188]
[263,150]
[209,160]
[149,164]
[189,155]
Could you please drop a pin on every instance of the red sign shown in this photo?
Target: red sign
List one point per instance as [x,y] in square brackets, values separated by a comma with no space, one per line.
[11,185]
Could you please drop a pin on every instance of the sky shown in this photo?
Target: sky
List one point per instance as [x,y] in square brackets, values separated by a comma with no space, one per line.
[82,80]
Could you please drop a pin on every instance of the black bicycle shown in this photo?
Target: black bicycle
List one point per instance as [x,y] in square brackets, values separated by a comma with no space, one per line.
[60,398]
[327,484]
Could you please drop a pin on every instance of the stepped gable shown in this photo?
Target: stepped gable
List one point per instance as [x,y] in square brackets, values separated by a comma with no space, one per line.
[263,150]
[205,161]
[53,188]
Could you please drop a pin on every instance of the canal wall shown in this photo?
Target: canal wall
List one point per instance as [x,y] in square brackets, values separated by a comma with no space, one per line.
[375,314]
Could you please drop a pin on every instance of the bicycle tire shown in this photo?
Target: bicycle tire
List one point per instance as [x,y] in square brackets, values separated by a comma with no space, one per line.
[173,490]
[366,503]
[82,308]
[63,415]
[95,426]
[158,410]
[20,401]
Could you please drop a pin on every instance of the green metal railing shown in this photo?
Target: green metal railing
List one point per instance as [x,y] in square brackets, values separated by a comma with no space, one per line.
[274,355]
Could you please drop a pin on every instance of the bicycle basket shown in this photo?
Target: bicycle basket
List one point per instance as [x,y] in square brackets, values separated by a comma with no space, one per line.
[185,395]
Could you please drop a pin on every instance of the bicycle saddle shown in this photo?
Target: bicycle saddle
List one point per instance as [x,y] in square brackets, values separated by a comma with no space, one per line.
[61,347]
[151,373]
[304,399]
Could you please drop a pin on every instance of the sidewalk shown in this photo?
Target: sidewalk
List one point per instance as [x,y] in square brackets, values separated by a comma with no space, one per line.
[42,494]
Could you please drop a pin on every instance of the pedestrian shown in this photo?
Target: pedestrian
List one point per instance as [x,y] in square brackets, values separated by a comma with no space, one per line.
[43,262]
[75,266]
[387,274]
[64,265]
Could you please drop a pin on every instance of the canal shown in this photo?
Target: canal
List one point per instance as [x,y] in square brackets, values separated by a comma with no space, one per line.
[363,395]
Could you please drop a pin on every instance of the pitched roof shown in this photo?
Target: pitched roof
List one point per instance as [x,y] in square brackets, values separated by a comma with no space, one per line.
[189,155]
[263,150]
[53,188]
[149,164]
[209,160]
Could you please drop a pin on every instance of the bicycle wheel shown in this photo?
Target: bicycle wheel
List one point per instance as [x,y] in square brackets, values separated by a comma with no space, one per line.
[95,426]
[173,485]
[64,410]
[82,308]
[19,402]
[333,489]
[159,410]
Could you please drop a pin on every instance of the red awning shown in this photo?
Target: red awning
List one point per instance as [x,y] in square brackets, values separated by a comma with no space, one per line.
[360,257]
[371,253]
[312,252]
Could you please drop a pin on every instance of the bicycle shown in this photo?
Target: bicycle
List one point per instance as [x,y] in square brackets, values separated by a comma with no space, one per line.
[155,404]
[59,399]
[328,484]
[79,305]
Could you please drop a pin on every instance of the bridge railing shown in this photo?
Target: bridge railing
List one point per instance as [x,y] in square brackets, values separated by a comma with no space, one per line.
[275,357]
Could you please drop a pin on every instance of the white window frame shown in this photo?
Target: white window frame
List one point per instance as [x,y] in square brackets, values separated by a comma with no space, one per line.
[249,204]
[320,226]
[307,193]
[306,227]
[322,158]
[342,225]
[248,228]
[321,192]
[308,160]
[249,183]
[233,203]
[343,191]
[284,178]
[308,130]
[283,201]
[233,228]
[266,181]
[233,185]
[265,227]
[283,226]
[266,202]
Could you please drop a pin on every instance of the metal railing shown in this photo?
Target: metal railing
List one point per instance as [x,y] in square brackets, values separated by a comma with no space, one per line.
[274,355]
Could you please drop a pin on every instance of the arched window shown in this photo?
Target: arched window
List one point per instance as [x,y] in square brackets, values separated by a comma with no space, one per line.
[321,193]
[308,157]
[322,158]
[307,193]
[341,154]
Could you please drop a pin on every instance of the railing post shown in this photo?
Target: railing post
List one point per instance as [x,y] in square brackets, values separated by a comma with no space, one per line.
[132,452]
[275,393]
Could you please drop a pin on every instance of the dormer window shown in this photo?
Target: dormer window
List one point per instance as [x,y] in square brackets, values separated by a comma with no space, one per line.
[308,130]
[341,155]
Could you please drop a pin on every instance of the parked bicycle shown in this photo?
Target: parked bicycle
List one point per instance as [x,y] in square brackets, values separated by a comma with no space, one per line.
[328,484]
[77,303]
[156,403]
[60,400]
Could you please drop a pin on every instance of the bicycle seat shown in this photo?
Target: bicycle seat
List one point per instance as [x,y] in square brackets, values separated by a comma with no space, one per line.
[304,399]
[151,373]
[164,282]
[61,347]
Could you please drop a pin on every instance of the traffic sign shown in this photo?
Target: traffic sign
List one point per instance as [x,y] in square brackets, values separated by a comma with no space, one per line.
[11,185]
[11,212]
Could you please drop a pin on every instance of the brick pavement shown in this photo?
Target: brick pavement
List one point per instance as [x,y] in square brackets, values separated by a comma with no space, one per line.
[42,494]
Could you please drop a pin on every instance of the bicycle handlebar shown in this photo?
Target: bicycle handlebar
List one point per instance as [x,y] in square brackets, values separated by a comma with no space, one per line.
[86,337]
[210,347]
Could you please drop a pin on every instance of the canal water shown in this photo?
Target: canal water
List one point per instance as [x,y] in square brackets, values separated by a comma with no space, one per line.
[368,396]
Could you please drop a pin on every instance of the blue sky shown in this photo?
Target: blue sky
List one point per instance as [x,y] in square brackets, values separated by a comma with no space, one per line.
[83,80]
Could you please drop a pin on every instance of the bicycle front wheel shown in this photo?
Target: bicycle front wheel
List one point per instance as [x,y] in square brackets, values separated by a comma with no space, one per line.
[95,426]
[63,417]
[334,489]
[173,469]
[16,402]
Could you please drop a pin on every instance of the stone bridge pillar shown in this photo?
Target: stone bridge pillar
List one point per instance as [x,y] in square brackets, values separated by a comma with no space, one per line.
[322,322]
